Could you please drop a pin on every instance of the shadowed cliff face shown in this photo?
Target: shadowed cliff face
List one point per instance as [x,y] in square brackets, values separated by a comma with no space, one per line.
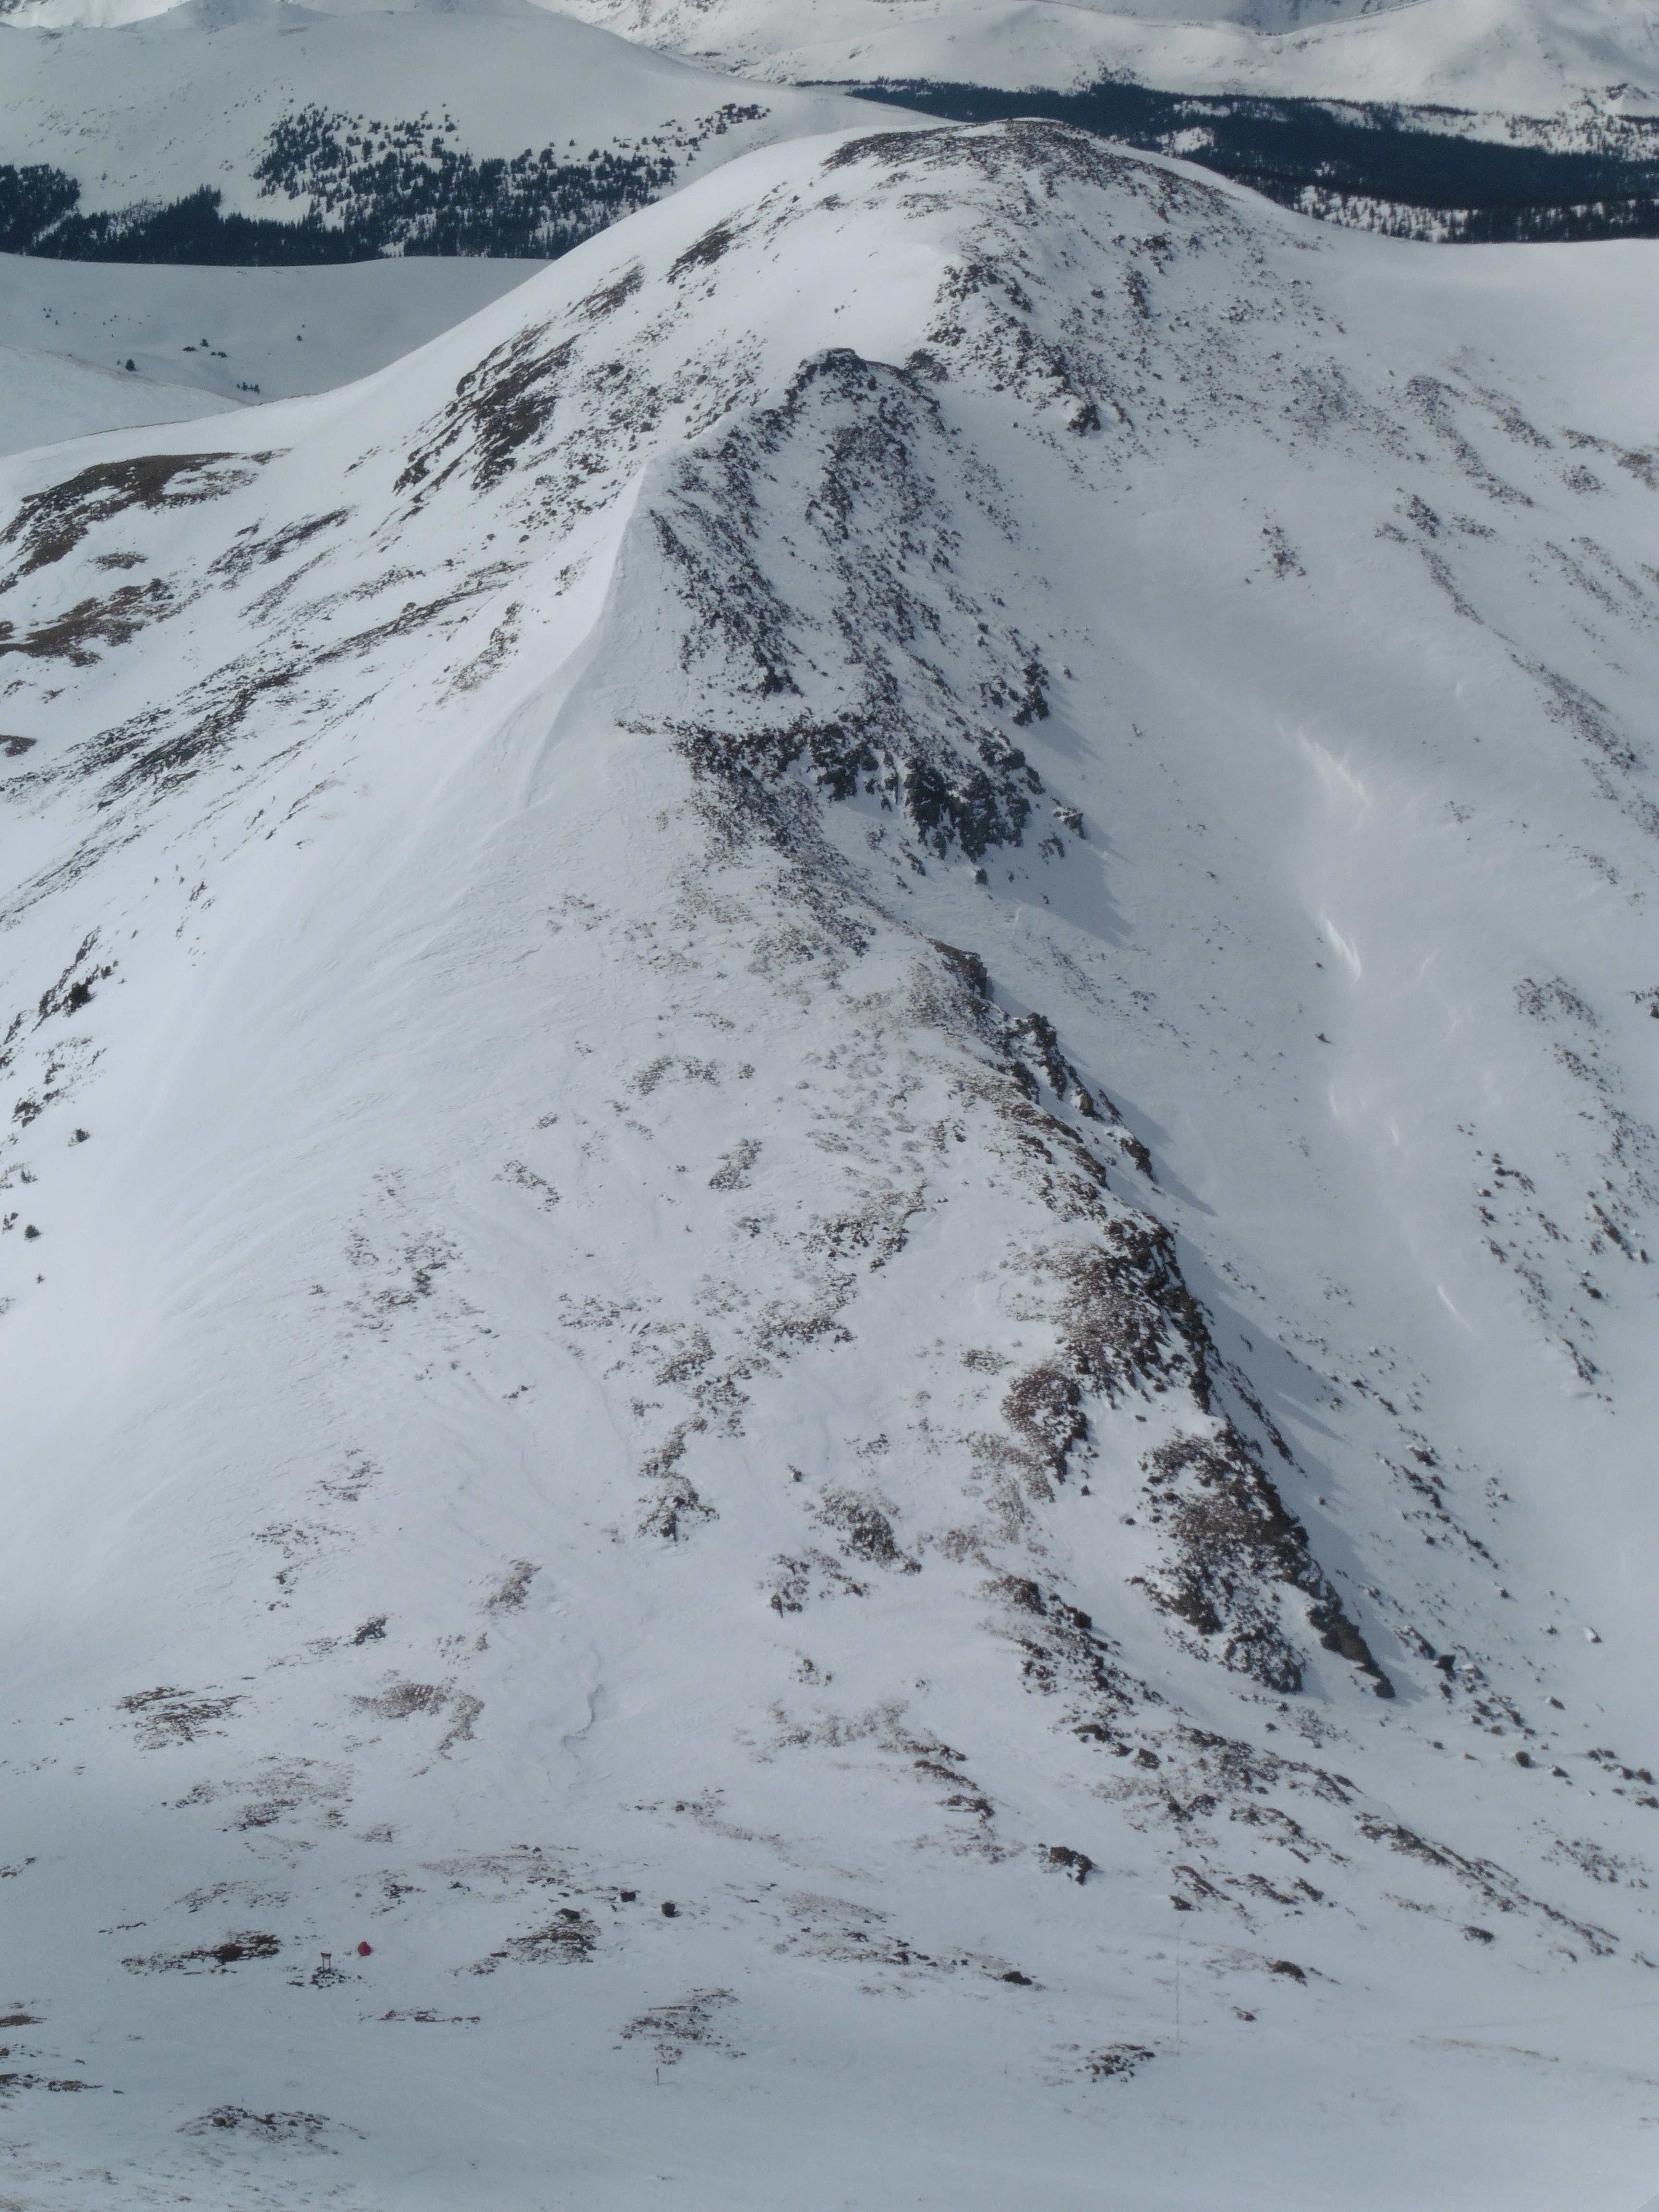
[825,1219]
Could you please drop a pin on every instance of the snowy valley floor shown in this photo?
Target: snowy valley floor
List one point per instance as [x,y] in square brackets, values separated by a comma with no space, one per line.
[826,1223]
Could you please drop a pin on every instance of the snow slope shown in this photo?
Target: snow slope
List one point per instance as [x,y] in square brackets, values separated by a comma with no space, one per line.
[156,109]
[44,398]
[831,1084]
[202,340]
[219,332]
[1536,57]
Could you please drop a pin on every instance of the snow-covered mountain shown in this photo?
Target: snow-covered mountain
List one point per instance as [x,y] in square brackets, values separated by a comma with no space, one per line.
[827,1220]
[494,128]
[255,131]
[1523,57]
[1546,58]
[268,134]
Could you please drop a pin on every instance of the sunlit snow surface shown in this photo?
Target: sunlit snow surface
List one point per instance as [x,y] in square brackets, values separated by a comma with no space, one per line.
[568,1335]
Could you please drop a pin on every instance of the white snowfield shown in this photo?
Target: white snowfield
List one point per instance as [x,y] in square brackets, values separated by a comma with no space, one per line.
[204,340]
[154,109]
[44,398]
[1539,58]
[829,1083]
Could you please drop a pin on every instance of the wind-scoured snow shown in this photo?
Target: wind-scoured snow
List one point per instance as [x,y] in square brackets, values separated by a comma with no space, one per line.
[826,1228]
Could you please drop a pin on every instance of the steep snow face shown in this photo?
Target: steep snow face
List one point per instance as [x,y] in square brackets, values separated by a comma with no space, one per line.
[287,111]
[1526,56]
[829,1173]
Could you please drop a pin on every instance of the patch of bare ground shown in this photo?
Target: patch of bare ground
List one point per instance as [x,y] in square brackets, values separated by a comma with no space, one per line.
[1231,1546]
[71,635]
[211,1958]
[690,2023]
[163,1716]
[301,2130]
[567,1938]
[49,524]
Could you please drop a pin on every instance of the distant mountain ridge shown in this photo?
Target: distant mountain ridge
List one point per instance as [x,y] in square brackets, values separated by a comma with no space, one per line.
[1463,120]
[1520,57]
[1439,174]
[274,134]
[253,132]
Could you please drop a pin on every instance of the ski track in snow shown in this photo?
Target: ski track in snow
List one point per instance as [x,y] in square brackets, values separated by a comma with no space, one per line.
[825,1228]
